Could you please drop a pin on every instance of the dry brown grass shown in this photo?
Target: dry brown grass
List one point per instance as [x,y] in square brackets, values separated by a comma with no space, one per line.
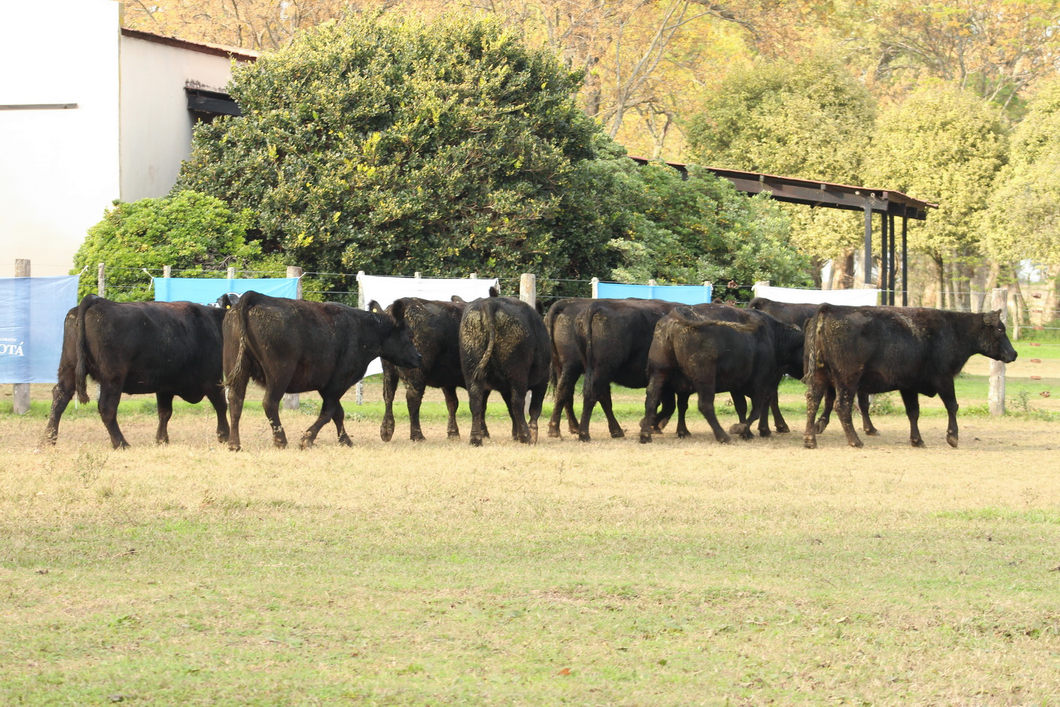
[681,572]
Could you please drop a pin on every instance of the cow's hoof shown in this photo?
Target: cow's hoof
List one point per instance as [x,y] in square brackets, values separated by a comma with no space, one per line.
[386,431]
[820,426]
[917,442]
[724,439]
[234,447]
[645,439]
[345,441]
[873,432]
[809,442]
[417,437]
[453,435]
[952,440]
[765,433]
[553,432]
[683,434]
[618,434]
[584,438]
[783,429]
[476,441]
[857,444]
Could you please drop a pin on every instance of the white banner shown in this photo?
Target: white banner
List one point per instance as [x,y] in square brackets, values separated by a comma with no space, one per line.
[790,295]
[385,290]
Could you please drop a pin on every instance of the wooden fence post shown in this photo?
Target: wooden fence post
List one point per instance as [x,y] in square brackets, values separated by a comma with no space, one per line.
[528,288]
[101,280]
[21,399]
[290,400]
[596,287]
[996,394]
[360,305]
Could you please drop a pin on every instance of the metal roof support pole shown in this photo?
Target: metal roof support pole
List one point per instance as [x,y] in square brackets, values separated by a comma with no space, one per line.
[884,265]
[867,264]
[905,262]
[894,265]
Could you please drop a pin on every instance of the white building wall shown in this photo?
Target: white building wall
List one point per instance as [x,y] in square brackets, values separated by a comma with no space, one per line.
[155,122]
[59,169]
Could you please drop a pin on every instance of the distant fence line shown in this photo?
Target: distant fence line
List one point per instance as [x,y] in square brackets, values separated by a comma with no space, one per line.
[1022,310]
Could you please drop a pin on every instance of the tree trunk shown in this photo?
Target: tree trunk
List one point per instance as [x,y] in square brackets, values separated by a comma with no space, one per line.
[940,281]
[843,271]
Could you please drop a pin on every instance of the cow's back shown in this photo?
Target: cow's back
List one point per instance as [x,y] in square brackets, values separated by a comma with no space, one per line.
[435,330]
[617,336]
[154,346]
[504,339]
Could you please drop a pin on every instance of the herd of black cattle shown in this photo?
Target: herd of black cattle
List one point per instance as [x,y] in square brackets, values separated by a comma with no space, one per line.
[503,344]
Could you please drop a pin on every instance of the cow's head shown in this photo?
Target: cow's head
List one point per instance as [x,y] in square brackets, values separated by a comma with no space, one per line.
[993,339]
[396,345]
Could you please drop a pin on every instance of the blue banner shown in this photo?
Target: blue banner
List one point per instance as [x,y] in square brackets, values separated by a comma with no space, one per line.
[685,294]
[207,290]
[32,312]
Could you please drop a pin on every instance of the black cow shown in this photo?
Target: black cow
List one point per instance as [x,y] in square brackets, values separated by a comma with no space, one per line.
[799,314]
[916,351]
[617,335]
[293,346]
[705,354]
[567,365]
[166,348]
[435,328]
[504,346]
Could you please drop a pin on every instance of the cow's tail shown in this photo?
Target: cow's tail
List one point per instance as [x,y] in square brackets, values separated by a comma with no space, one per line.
[239,312]
[811,354]
[585,320]
[81,367]
[487,313]
[550,322]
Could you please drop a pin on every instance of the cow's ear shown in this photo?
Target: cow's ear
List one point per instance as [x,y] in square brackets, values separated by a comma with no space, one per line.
[494,292]
[374,307]
[458,298]
[992,319]
[397,311]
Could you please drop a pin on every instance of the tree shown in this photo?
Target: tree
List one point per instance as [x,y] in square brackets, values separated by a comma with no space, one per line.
[993,48]
[943,145]
[393,145]
[1023,218]
[188,231]
[701,229]
[809,119]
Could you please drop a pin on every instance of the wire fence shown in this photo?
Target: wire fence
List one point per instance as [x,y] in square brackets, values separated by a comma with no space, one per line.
[1034,323]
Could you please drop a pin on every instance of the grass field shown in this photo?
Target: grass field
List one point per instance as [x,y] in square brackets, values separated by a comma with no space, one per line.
[611,573]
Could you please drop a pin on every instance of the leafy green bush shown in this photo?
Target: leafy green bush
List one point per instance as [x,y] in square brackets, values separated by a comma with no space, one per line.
[191,232]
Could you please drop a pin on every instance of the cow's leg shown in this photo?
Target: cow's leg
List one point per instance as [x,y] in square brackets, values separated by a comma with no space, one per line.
[339,418]
[271,404]
[814,392]
[506,395]
[682,413]
[614,428]
[826,413]
[164,402]
[452,404]
[779,422]
[109,397]
[666,410]
[653,392]
[520,428]
[949,398]
[912,411]
[706,407]
[845,394]
[237,390]
[590,395]
[61,395]
[758,412]
[476,399]
[564,400]
[866,423]
[390,379]
[537,401]
[413,400]
[485,406]
[329,409]
[216,396]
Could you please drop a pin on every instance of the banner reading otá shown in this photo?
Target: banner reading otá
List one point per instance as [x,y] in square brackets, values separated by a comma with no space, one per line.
[32,312]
